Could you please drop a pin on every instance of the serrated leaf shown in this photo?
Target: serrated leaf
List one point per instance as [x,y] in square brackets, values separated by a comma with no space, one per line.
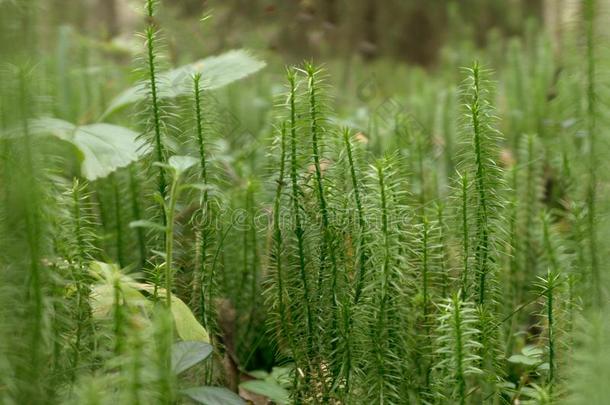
[267,388]
[213,396]
[103,147]
[217,71]
[186,354]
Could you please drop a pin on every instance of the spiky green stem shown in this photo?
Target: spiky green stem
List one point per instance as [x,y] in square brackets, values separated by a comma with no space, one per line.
[154,98]
[482,248]
[465,235]
[363,255]
[118,220]
[299,231]
[136,212]
[169,240]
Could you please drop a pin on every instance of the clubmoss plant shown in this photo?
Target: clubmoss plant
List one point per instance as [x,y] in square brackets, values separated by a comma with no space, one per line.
[456,339]
[487,176]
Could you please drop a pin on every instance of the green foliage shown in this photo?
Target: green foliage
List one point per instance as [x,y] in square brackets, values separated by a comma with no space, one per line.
[357,244]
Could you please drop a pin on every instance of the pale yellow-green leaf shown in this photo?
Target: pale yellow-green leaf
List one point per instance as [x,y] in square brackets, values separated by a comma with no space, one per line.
[187,326]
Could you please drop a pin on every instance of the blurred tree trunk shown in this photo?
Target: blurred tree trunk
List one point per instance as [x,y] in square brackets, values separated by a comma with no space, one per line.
[369,46]
[108,10]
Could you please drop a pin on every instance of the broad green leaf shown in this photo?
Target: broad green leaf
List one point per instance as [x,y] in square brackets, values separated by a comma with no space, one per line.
[268,388]
[216,71]
[532,351]
[103,147]
[187,326]
[180,164]
[186,354]
[521,359]
[213,396]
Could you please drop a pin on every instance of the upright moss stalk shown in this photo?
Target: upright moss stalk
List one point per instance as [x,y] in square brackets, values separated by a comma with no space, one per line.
[118,218]
[327,248]
[83,238]
[277,252]
[591,119]
[457,346]
[487,176]
[442,250]
[383,293]
[383,375]
[169,240]
[465,235]
[136,212]
[296,207]
[153,86]
[204,283]
[548,287]
[362,249]
[425,269]
[482,247]
[36,280]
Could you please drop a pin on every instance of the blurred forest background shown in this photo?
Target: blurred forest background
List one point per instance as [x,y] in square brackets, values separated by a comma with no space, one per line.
[409,30]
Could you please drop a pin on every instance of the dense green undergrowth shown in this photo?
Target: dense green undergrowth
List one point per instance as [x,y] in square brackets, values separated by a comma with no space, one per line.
[400,237]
